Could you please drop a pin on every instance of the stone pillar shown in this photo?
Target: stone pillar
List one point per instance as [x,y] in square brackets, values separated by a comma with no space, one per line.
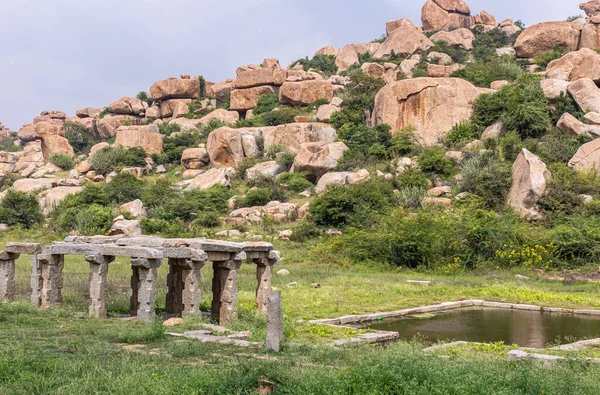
[191,296]
[274,322]
[51,267]
[225,290]
[7,280]
[98,276]
[36,282]
[173,304]
[264,276]
[145,275]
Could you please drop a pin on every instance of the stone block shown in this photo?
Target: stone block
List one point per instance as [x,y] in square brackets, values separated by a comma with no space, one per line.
[24,248]
[274,322]
[130,251]
[7,281]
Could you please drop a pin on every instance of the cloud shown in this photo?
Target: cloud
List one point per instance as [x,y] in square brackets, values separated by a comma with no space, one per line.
[69,54]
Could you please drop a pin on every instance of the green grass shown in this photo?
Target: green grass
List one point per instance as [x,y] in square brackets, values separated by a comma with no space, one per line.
[64,351]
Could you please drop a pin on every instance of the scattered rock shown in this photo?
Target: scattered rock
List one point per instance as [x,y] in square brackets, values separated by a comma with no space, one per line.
[283,272]
[530,177]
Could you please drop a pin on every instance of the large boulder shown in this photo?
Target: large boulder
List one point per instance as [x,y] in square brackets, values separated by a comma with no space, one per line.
[246,99]
[270,169]
[575,65]
[221,114]
[33,185]
[530,177]
[228,147]
[175,88]
[587,157]
[88,112]
[135,209]
[390,26]
[590,36]
[53,140]
[293,135]
[326,51]
[346,58]
[446,15]
[341,178]
[317,159]
[404,41]
[107,126]
[586,94]
[50,198]
[194,158]
[124,227]
[431,105]
[145,137]
[553,88]
[174,108]
[305,92]
[258,77]
[569,124]
[460,37]
[544,36]
[209,179]
[276,211]
[127,106]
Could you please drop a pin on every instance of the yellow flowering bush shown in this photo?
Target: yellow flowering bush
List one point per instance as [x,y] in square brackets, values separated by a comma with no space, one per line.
[538,256]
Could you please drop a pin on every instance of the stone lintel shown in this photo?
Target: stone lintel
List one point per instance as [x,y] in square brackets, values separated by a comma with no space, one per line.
[188,264]
[217,246]
[93,239]
[146,263]
[253,255]
[153,242]
[24,248]
[133,252]
[97,259]
[8,256]
[274,255]
[257,246]
[217,256]
[184,253]
[229,265]
[50,259]
[72,249]
[240,256]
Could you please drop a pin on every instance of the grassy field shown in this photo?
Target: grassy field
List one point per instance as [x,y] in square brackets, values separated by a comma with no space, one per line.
[64,351]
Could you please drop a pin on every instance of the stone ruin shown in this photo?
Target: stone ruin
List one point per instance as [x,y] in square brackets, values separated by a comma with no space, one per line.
[185,257]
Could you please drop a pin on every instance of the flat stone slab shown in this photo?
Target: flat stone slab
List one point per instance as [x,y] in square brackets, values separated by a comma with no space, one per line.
[184,253]
[93,239]
[418,282]
[8,256]
[217,246]
[257,246]
[60,248]
[133,252]
[153,242]
[24,248]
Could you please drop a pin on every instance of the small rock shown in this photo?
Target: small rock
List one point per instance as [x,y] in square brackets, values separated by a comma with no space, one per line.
[292,284]
[173,322]
[283,272]
[315,285]
[520,277]
[161,169]
[285,234]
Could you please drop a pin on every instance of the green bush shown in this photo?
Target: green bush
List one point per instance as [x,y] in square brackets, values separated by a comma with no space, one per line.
[296,182]
[208,219]
[487,177]
[285,160]
[565,103]
[483,73]
[433,160]
[168,128]
[143,96]
[173,147]
[543,58]
[577,241]
[457,53]
[111,158]
[557,146]
[510,146]
[355,205]
[124,188]
[188,205]
[486,43]
[412,178]
[266,103]
[93,220]
[322,63]
[403,142]
[411,196]
[255,197]
[461,133]
[18,208]
[522,108]
[7,144]
[359,100]
[80,138]
[63,161]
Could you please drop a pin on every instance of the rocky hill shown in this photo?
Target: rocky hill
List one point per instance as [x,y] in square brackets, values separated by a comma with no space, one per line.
[461,109]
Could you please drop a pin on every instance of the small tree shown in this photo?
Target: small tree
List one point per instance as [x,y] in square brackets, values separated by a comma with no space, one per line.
[18,208]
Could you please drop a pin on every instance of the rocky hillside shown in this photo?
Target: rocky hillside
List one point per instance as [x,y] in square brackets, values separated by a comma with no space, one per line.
[461,115]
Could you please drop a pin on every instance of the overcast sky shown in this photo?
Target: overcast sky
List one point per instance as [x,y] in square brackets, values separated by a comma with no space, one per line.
[69,54]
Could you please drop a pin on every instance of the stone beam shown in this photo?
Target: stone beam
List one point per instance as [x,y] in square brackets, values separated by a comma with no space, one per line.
[143,283]
[7,280]
[133,252]
[24,248]
[50,270]
[97,283]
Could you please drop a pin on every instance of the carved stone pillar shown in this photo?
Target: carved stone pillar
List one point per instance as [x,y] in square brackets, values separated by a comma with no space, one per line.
[264,277]
[143,284]
[225,292]
[51,267]
[7,277]
[98,277]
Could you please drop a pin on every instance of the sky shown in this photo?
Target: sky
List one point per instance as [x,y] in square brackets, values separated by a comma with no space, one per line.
[70,54]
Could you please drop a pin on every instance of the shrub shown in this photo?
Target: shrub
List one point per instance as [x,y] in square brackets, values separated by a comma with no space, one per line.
[296,182]
[124,188]
[457,53]
[18,208]
[403,142]
[485,43]
[174,146]
[188,205]
[460,133]
[109,159]
[285,160]
[522,108]
[355,205]
[510,146]
[168,128]
[143,96]
[79,137]
[7,144]
[543,58]
[359,100]
[63,161]
[432,160]
[558,146]
[485,176]
[323,63]
[208,219]
[277,191]
[412,178]
[411,196]
[266,103]
[577,241]
[255,197]
[565,103]
[483,73]
[93,220]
